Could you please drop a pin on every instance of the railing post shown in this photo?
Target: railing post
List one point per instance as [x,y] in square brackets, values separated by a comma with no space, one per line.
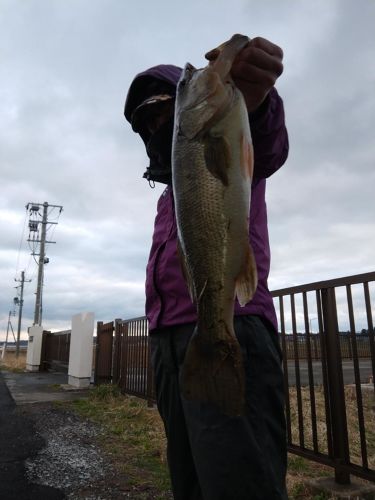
[124,357]
[117,352]
[150,376]
[97,348]
[339,431]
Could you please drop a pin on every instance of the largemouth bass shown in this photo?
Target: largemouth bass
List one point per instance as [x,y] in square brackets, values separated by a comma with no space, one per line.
[212,167]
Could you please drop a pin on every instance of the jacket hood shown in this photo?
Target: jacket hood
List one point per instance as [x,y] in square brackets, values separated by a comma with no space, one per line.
[146,84]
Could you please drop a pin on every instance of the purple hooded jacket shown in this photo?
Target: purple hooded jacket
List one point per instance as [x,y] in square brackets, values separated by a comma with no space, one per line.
[167,299]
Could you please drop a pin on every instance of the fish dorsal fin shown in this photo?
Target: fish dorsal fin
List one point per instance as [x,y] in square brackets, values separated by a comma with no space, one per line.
[217,157]
[247,280]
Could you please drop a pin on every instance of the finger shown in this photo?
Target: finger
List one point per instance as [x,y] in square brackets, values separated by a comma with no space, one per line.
[253,56]
[253,75]
[254,98]
[267,46]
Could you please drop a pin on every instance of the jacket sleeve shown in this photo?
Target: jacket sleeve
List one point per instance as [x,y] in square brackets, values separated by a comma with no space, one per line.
[269,135]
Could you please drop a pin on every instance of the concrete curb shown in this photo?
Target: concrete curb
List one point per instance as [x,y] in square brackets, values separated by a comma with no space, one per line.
[353,491]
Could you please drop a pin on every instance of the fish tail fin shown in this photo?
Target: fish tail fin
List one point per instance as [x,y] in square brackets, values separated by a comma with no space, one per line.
[214,373]
[247,280]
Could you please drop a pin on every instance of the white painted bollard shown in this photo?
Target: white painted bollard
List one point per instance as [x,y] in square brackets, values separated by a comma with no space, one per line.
[80,354]
[34,348]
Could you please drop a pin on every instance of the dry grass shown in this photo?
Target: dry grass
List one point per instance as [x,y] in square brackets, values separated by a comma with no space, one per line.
[134,437]
[11,363]
[368,403]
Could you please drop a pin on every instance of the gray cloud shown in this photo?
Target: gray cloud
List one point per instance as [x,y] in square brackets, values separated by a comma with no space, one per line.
[63,139]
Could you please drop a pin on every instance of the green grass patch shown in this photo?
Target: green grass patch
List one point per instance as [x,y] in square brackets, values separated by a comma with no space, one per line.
[133,436]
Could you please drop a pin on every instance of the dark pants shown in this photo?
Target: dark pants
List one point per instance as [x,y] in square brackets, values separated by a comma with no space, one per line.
[212,456]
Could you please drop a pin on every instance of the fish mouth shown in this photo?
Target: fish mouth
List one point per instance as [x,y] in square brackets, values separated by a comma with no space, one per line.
[221,58]
[186,76]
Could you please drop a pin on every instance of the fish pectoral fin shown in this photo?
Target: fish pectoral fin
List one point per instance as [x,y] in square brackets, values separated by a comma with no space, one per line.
[217,157]
[185,271]
[247,280]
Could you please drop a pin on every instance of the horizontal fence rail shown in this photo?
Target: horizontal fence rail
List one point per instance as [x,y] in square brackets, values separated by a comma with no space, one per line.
[327,338]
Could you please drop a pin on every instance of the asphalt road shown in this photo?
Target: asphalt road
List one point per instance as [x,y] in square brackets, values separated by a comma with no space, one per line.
[18,441]
[347,367]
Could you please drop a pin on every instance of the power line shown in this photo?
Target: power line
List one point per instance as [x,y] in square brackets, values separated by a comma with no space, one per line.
[20,245]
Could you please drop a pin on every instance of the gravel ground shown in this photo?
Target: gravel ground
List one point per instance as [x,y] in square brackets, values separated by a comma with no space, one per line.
[71,459]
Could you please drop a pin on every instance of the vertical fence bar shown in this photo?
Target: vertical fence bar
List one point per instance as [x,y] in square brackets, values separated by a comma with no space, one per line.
[129,374]
[285,369]
[311,374]
[323,352]
[336,387]
[99,326]
[135,355]
[139,357]
[136,358]
[150,376]
[117,352]
[370,330]
[357,378]
[125,357]
[297,372]
[144,372]
[142,359]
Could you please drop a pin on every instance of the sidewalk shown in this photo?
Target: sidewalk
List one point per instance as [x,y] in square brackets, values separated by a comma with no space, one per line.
[40,387]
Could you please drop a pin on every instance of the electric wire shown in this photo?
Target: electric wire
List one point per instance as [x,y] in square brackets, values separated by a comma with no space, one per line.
[20,245]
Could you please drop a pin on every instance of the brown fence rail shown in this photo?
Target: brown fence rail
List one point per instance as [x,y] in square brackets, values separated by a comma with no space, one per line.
[55,351]
[327,337]
[328,374]
[123,358]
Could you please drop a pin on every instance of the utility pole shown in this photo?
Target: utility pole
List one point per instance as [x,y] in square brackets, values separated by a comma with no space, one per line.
[11,313]
[22,281]
[34,228]
[39,287]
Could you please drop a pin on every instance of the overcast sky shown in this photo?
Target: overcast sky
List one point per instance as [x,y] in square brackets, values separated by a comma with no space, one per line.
[65,69]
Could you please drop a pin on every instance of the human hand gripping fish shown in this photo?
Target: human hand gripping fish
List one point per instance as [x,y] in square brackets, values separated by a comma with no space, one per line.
[212,168]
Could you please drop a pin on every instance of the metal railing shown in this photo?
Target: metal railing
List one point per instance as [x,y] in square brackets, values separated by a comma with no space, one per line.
[132,367]
[328,367]
[320,423]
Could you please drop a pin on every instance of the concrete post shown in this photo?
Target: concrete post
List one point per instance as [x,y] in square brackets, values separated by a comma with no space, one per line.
[34,348]
[80,354]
